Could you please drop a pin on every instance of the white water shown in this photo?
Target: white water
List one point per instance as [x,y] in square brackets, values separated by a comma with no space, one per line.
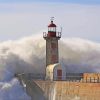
[12,91]
[28,55]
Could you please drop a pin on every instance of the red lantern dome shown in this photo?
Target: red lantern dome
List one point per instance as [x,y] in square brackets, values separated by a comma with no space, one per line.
[51,24]
[52,29]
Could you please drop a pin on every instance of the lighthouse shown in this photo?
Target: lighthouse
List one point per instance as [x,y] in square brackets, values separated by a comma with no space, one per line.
[52,37]
[53,68]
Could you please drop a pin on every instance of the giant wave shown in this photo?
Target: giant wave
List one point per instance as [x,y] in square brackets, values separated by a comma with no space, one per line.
[28,55]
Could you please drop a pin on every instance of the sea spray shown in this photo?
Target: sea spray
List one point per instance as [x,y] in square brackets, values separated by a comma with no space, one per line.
[27,55]
[12,90]
[54,93]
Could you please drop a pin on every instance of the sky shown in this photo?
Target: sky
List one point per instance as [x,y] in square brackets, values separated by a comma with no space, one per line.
[22,18]
[67,1]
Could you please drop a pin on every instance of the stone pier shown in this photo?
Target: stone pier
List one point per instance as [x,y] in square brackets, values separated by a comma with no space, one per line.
[60,90]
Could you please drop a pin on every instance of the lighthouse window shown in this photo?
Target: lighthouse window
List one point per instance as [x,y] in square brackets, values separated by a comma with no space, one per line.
[48,29]
[52,29]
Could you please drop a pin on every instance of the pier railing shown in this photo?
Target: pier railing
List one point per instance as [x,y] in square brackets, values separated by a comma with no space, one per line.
[77,79]
[32,76]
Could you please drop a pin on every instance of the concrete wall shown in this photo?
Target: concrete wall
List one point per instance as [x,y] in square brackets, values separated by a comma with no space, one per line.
[63,90]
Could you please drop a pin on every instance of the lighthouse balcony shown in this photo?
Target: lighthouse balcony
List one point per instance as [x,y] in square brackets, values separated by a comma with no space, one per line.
[47,35]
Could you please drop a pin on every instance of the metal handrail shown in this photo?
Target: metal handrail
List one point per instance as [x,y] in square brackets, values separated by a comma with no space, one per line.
[58,34]
[32,76]
[45,34]
[77,79]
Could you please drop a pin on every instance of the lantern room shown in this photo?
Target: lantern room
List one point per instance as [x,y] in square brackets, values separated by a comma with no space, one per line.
[52,29]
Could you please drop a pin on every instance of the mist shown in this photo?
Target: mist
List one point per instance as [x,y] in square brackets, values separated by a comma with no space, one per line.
[27,55]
